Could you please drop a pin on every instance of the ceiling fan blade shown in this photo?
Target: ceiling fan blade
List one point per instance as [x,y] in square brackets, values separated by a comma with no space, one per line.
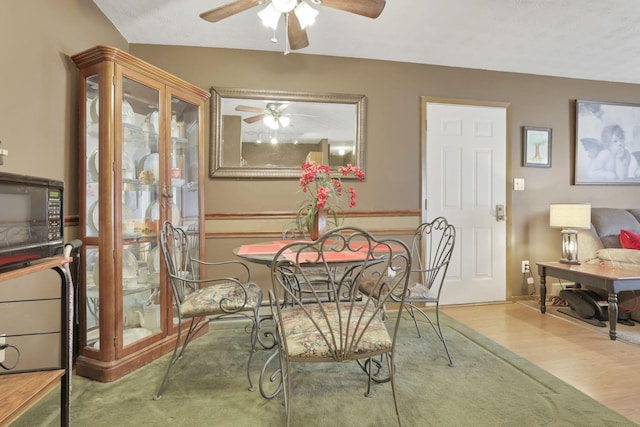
[227,10]
[254,119]
[368,8]
[249,109]
[297,36]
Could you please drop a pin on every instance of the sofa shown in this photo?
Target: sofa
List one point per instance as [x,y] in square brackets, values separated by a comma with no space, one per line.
[601,245]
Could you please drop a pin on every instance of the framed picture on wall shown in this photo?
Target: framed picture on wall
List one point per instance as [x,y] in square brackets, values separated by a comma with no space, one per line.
[536,147]
[607,145]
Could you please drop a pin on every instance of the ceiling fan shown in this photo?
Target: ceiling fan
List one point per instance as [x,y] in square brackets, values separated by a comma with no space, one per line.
[303,14]
[272,115]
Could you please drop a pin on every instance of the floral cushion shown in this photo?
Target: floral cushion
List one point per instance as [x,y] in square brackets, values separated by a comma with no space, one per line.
[419,292]
[372,286]
[207,300]
[304,340]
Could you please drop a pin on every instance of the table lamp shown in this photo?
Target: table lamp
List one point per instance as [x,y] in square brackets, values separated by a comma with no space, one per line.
[570,217]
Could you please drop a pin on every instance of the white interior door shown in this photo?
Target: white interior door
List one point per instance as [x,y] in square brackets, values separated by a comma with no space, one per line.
[464,180]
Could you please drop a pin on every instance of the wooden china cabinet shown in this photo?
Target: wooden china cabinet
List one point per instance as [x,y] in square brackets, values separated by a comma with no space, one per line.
[141,162]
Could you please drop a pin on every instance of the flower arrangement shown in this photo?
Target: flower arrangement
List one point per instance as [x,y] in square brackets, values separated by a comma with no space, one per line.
[323,187]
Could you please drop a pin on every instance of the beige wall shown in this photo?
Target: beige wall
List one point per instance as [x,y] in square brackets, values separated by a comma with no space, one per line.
[38,84]
[38,117]
[393,134]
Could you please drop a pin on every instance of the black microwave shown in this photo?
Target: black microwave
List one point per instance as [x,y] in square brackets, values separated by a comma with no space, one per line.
[31,219]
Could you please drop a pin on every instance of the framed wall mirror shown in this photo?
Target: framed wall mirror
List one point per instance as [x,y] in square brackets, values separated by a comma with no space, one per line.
[269,134]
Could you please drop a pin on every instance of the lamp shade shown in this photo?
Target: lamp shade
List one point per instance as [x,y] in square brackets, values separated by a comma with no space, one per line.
[570,215]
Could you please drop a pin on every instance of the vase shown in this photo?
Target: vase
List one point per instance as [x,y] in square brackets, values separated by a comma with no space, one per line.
[319,226]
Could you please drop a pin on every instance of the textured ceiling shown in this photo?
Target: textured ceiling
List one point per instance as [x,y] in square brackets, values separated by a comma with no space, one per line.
[587,39]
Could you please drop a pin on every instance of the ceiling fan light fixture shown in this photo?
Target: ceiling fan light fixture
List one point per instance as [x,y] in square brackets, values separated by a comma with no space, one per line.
[271,122]
[306,14]
[270,16]
[284,121]
[284,6]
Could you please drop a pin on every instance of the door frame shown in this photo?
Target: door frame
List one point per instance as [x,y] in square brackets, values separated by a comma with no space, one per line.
[424,100]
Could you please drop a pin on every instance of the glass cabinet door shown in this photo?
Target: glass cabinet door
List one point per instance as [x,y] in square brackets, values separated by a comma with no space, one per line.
[91,211]
[140,214]
[184,173]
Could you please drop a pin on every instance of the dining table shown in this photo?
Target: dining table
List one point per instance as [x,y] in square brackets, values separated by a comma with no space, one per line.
[264,253]
[343,263]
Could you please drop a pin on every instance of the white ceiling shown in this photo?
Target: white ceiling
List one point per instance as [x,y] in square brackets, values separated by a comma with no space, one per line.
[587,39]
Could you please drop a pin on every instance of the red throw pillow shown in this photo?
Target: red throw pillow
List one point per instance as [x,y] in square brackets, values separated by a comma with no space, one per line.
[629,239]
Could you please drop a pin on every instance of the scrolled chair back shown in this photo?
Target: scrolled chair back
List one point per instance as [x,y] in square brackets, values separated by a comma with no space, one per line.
[175,250]
[347,325]
[432,247]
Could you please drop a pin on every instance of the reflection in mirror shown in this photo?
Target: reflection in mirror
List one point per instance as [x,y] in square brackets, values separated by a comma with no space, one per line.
[269,134]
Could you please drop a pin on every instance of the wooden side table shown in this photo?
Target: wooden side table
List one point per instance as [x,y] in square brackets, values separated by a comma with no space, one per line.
[610,279]
[21,390]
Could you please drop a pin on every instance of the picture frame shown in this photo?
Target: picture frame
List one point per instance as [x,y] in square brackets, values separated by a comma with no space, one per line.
[536,147]
[607,143]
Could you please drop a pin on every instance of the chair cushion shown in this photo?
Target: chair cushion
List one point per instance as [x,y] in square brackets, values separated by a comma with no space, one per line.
[304,340]
[206,301]
[372,286]
[417,292]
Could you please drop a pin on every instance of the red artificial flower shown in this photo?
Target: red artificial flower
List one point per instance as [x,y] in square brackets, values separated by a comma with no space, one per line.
[323,187]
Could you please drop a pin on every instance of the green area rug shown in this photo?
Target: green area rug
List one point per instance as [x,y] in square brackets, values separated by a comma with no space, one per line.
[488,386]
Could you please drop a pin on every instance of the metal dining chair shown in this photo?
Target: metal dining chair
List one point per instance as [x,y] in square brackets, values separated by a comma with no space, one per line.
[347,327]
[203,300]
[431,249]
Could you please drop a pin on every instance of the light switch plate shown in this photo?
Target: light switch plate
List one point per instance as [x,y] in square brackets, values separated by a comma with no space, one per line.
[518,184]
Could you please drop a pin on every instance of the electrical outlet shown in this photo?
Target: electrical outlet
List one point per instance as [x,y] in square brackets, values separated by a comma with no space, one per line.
[525,266]
[3,340]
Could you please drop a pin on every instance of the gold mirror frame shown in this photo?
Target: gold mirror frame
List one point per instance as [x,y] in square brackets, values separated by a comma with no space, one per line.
[221,97]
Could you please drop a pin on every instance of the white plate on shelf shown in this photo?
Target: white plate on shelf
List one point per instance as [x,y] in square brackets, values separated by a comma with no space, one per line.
[153,260]
[129,271]
[94,165]
[153,213]
[94,217]
[128,167]
[94,110]
[128,115]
